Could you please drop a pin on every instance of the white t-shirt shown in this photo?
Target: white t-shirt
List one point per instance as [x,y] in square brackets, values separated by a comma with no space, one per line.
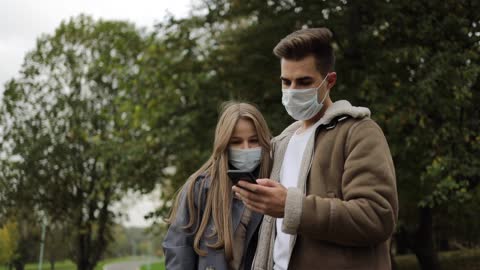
[289,178]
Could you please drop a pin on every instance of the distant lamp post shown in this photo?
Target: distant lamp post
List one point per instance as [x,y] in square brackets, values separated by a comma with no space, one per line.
[42,243]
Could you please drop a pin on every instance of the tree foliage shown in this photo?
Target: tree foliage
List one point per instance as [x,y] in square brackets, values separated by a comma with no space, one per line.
[414,64]
[73,139]
[8,242]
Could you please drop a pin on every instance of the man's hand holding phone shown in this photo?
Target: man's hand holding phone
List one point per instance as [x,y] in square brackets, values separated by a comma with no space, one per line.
[266,196]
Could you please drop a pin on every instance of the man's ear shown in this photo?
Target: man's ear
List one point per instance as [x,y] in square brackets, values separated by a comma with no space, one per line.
[331,79]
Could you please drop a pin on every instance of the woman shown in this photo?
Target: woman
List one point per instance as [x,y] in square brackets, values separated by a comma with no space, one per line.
[209,228]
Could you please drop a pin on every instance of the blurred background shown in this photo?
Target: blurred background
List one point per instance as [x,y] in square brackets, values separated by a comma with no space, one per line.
[108,106]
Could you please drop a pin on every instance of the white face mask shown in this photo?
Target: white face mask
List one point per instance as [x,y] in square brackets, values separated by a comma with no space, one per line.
[302,104]
[245,159]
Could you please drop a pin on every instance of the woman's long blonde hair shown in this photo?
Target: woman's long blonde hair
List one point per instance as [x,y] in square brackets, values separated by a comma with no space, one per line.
[219,197]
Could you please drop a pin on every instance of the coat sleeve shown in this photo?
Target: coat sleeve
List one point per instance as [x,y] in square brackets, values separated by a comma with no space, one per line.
[178,242]
[368,212]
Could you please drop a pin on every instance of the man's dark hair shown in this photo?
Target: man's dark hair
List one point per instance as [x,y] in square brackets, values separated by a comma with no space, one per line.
[305,42]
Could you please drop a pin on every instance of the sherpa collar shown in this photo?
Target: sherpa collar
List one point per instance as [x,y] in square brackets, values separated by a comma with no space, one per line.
[341,107]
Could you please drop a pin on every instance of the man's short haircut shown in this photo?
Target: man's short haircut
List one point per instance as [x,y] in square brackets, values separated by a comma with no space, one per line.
[312,41]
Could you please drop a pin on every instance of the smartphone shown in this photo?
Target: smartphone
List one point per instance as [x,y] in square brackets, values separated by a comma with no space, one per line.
[237,175]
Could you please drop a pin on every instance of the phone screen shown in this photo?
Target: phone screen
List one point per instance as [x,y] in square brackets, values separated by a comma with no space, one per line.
[237,175]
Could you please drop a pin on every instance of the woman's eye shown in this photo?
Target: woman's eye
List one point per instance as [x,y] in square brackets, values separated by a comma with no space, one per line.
[253,141]
[235,142]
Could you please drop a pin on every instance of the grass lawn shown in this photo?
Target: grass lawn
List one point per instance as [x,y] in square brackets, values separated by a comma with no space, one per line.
[69,265]
[62,265]
[450,260]
[154,266]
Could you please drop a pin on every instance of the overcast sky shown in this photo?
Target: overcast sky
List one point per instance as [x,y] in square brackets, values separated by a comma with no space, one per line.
[22,21]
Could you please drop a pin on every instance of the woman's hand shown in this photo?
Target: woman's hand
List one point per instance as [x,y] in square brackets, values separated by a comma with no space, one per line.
[266,197]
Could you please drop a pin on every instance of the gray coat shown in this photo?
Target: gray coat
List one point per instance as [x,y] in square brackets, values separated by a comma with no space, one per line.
[178,243]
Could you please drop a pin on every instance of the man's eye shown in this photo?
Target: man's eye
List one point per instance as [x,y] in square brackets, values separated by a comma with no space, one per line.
[285,82]
[305,83]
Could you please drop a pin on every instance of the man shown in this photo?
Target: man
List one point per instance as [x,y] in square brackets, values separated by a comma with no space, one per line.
[331,202]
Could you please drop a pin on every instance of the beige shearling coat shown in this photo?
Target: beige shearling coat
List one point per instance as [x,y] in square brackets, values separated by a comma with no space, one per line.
[345,207]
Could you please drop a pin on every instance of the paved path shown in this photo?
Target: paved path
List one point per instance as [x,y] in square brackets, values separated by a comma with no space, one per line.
[129,265]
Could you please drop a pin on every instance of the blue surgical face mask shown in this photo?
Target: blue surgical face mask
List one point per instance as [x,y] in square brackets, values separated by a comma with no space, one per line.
[245,159]
[302,104]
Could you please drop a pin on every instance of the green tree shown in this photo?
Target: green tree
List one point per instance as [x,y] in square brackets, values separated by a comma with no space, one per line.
[8,242]
[73,140]
[182,117]
[415,64]
[22,236]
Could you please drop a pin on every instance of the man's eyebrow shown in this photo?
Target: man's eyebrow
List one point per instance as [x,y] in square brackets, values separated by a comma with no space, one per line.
[306,78]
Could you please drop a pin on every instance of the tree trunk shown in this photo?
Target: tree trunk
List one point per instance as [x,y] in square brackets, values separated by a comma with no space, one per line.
[402,241]
[423,244]
[91,244]
[52,263]
[81,265]
[18,265]
[82,258]
[393,263]
[444,244]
